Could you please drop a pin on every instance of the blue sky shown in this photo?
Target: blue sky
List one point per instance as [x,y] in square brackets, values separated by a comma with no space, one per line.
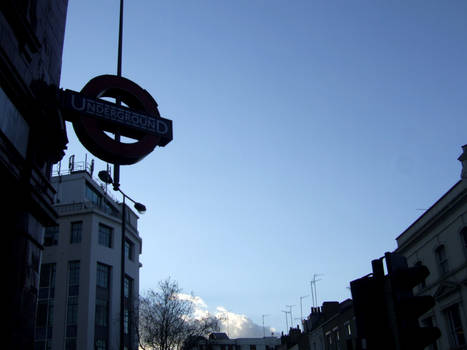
[308,134]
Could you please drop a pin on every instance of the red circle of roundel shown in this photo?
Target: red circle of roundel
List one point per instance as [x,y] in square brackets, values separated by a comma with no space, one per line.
[90,130]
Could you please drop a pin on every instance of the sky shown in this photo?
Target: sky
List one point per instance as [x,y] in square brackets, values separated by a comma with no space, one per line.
[308,134]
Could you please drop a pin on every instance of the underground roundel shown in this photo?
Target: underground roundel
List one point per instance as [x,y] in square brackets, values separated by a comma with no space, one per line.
[137,117]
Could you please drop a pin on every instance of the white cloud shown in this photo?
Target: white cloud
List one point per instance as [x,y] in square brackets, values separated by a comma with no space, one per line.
[200,307]
[240,326]
[235,325]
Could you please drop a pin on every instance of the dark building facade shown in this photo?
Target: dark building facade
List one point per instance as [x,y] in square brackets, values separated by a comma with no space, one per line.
[340,330]
[329,327]
[438,240]
[32,138]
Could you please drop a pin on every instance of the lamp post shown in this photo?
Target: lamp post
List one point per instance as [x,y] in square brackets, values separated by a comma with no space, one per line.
[104,176]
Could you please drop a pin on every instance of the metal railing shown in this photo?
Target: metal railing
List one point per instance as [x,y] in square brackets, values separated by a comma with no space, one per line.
[88,166]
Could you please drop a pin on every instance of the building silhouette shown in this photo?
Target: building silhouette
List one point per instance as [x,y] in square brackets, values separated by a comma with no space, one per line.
[80,281]
[32,138]
[329,327]
[220,341]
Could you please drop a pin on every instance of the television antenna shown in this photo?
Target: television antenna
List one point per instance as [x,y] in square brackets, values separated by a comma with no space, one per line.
[286,320]
[314,294]
[264,331]
[301,307]
[290,311]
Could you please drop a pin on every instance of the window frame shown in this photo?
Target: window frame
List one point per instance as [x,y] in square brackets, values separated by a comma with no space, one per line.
[130,252]
[422,284]
[102,304]
[76,235]
[450,313]
[104,238]
[72,303]
[442,259]
[51,233]
[463,236]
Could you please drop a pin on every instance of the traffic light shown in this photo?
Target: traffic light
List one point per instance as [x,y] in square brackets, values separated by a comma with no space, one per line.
[387,312]
[370,309]
[407,308]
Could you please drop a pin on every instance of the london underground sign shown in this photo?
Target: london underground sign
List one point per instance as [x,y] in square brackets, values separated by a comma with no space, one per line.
[92,116]
[121,116]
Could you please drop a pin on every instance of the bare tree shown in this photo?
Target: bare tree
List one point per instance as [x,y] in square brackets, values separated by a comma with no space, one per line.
[167,321]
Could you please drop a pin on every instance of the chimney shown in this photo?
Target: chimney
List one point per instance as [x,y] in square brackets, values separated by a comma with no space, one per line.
[463,160]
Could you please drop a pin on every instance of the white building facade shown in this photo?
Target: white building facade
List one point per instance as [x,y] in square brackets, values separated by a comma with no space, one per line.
[220,341]
[438,240]
[80,283]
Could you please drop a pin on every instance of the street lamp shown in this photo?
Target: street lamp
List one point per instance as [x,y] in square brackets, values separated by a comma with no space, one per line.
[105,177]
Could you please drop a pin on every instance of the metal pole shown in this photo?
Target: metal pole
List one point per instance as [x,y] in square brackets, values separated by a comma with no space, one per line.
[122,276]
[290,311]
[312,294]
[264,330]
[301,308]
[120,39]
[118,102]
[314,285]
[316,294]
[286,320]
[116,184]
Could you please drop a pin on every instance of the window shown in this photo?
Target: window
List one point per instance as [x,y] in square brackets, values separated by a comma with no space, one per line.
[47,281]
[71,332]
[45,307]
[101,344]
[456,332]
[92,195]
[128,295]
[129,250]
[442,259]
[348,328]
[337,337]
[464,237]
[101,328]
[13,125]
[128,289]
[103,275]
[76,229]
[73,278]
[105,235]
[422,283]
[329,338]
[51,236]
[72,316]
[101,313]
[109,208]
